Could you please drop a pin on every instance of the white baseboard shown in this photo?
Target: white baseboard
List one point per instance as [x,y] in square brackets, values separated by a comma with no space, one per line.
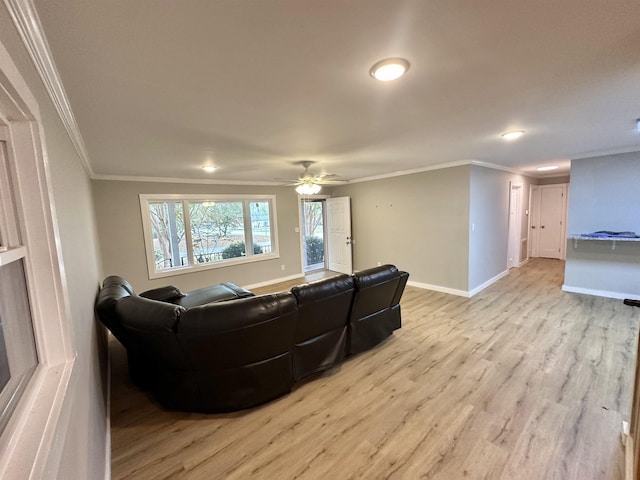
[438,288]
[598,293]
[107,449]
[275,280]
[460,293]
[489,282]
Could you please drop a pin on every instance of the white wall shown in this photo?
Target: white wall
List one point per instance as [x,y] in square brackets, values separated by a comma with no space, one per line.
[489,222]
[605,195]
[418,222]
[84,438]
[122,240]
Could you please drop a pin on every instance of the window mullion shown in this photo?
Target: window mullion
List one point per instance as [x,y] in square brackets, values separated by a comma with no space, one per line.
[248,233]
[187,232]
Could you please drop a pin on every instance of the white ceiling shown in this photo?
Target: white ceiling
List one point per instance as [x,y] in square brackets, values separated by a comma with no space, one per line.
[160,88]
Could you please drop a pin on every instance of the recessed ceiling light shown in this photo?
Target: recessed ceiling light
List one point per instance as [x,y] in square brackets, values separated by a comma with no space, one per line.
[547,168]
[512,135]
[389,69]
[209,168]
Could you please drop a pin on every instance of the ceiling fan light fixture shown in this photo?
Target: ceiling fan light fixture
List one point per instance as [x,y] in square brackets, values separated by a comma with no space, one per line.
[308,188]
[512,135]
[389,69]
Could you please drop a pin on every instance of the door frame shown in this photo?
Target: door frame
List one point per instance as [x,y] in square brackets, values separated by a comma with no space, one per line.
[300,228]
[515,228]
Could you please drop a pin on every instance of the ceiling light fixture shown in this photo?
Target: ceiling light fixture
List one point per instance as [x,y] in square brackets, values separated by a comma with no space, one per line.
[308,188]
[209,168]
[512,135]
[547,168]
[389,69]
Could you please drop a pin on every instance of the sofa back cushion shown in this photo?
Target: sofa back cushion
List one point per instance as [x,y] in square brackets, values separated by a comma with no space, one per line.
[230,334]
[375,290]
[323,305]
[321,331]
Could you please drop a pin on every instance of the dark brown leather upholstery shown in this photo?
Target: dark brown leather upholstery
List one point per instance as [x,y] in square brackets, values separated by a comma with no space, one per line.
[215,293]
[239,352]
[321,331]
[236,350]
[375,313]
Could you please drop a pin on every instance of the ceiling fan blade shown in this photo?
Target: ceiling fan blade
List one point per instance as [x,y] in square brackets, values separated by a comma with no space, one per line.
[293,181]
[331,182]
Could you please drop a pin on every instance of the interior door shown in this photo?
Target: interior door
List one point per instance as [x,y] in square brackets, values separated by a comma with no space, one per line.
[339,235]
[548,212]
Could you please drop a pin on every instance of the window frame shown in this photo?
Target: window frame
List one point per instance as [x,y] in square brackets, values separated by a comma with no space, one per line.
[246,199]
[28,446]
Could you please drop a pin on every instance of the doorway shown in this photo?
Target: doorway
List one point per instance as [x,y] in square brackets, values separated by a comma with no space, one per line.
[313,217]
[325,238]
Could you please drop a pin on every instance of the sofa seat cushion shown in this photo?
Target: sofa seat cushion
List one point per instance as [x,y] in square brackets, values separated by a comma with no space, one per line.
[163,294]
[217,293]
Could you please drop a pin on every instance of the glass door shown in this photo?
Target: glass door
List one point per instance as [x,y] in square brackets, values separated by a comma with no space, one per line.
[313,234]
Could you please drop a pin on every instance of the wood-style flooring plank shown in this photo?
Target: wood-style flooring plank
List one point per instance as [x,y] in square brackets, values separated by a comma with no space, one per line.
[521,381]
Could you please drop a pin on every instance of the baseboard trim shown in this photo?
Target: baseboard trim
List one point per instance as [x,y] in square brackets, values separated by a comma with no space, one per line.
[598,293]
[107,440]
[438,288]
[488,283]
[627,439]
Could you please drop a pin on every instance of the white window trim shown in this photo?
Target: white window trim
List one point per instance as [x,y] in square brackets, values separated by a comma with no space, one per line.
[30,445]
[145,199]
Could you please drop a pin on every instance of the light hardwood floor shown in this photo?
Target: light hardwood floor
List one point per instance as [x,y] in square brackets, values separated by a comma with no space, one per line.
[523,381]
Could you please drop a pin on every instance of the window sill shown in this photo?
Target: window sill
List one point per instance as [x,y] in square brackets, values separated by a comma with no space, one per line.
[28,443]
[211,266]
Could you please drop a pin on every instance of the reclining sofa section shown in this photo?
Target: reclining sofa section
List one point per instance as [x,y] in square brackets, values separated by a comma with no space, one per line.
[222,348]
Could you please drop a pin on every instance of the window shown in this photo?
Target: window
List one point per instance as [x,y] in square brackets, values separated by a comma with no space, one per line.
[193,232]
[18,358]
[38,353]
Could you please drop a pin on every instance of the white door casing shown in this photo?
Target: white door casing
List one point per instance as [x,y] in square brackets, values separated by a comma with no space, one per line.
[515,219]
[339,235]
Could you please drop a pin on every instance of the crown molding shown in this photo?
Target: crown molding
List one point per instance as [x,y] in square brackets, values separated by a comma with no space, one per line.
[439,166]
[205,181]
[401,173]
[26,20]
[495,166]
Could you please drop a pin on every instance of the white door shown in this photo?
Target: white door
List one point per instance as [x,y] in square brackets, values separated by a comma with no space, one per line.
[548,207]
[339,234]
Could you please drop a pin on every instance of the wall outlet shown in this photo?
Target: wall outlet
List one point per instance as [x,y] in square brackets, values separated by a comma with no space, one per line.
[282,267]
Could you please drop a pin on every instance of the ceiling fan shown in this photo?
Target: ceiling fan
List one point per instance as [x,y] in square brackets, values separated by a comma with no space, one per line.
[309,183]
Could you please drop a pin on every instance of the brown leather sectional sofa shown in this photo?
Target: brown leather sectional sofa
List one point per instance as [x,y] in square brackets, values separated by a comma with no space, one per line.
[222,348]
